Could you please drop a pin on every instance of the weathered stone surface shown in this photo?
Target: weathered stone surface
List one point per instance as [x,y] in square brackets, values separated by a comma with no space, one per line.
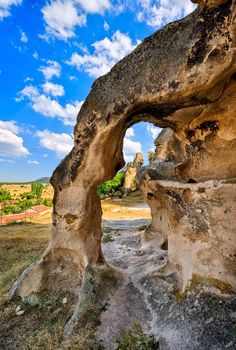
[131,171]
[209,3]
[197,222]
[182,77]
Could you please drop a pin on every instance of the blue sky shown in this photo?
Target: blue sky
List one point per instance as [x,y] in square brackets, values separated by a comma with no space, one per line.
[51,52]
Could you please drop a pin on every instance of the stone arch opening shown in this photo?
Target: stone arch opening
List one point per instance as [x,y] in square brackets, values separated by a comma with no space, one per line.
[126,207]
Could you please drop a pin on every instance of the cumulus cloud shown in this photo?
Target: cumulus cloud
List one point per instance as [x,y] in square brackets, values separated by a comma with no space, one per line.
[53,89]
[128,159]
[129,132]
[61,18]
[36,55]
[106,26]
[158,13]
[28,79]
[33,162]
[94,6]
[23,37]
[5,7]
[130,147]
[154,131]
[49,107]
[11,144]
[53,69]
[61,144]
[106,53]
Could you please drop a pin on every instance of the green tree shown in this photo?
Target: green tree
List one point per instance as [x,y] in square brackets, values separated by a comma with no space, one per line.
[37,189]
[111,186]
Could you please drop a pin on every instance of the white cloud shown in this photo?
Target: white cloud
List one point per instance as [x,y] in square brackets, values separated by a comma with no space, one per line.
[28,79]
[72,77]
[6,160]
[53,69]
[128,159]
[61,144]
[36,55]
[53,89]
[106,26]
[61,18]
[5,6]
[48,107]
[158,13]
[129,132]
[154,131]
[94,6]
[106,53]
[11,144]
[33,162]
[23,37]
[131,147]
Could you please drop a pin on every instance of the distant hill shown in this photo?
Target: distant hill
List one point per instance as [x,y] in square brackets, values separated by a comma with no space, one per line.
[43,179]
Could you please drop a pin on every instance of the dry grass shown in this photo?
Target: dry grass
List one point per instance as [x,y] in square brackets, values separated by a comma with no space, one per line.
[41,326]
[17,189]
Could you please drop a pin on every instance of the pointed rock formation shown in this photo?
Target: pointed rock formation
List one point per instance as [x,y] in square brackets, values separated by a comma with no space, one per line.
[131,171]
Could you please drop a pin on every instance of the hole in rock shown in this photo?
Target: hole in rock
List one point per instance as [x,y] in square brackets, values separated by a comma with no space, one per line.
[126,214]
[192,181]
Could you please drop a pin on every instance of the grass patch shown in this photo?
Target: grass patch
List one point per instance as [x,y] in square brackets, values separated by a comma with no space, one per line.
[143,227]
[107,234]
[20,245]
[107,238]
[136,339]
[107,229]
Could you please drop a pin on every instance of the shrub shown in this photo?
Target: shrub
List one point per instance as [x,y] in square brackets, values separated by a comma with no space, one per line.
[4,195]
[47,202]
[111,186]
[25,204]
[27,195]
[8,209]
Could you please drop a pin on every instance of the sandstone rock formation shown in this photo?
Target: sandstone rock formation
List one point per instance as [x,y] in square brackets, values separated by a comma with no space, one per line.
[182,77]
[130,172]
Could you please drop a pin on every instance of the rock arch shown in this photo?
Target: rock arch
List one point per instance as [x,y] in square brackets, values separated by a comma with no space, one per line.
[182,77]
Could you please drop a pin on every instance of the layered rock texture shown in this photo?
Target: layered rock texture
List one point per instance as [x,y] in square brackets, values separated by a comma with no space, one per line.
[182,77]
[131,171]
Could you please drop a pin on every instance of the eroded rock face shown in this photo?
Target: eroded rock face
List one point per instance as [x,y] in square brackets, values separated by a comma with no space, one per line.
[131,171]
[182,77]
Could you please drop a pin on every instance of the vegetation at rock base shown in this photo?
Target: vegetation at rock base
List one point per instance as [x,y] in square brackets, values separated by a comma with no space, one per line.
[108,188]
[136,339]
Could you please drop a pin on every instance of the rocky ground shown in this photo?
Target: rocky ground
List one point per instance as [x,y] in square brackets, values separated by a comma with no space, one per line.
[203,319]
